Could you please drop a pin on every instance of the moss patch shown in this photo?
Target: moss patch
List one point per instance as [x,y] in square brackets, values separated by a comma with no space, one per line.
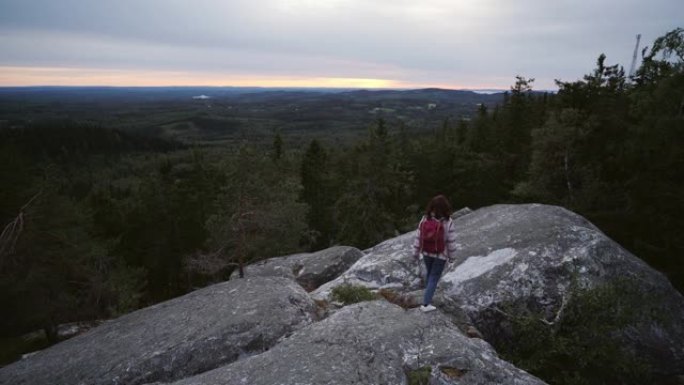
[419,376]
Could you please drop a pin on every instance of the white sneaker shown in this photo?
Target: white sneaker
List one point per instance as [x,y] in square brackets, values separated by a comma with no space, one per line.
[427,308]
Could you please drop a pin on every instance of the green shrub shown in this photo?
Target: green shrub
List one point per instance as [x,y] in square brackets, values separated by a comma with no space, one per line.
[581,348]
[12,348]
[348,294]
[419,376]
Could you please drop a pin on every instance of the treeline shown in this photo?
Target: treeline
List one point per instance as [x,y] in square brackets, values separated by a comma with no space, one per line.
[100,223]
[107,222]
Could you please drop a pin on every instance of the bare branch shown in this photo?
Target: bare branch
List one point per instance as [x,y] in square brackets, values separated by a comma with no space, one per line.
[496,309]
[567,174]
[559,314]
[208,264]
[24,207]
[564,302]
[12,231]
[10,235]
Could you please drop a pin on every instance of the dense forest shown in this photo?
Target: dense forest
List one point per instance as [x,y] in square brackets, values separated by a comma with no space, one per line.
[99,221]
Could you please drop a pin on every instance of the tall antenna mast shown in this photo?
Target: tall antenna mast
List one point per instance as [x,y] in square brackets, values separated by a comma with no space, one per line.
[634,57]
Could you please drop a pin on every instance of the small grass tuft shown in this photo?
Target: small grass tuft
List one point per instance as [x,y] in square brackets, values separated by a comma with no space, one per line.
[349,294]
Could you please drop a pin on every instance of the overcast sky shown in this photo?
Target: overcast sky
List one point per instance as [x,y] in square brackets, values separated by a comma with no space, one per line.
[345,43]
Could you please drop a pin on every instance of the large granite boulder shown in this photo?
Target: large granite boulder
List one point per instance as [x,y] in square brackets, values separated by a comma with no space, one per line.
[372,343]
[310,270]
[532,259]
[388,265]
[174,339]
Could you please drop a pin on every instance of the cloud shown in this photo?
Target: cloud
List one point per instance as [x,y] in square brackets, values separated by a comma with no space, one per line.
[431,41]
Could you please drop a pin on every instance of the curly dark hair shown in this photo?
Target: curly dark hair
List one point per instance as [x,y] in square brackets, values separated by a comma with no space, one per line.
[438,206]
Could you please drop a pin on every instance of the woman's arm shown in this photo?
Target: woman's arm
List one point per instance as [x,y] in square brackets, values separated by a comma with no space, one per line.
[416,241]
[451,244]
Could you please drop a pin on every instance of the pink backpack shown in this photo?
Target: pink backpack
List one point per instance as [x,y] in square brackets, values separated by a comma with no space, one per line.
[432,239]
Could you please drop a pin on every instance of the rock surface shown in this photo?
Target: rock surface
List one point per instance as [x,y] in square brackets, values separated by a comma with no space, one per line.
[388,265]
[261,329]
[536,256]
[372,343]
[174,339]
[532,256]
[310,270]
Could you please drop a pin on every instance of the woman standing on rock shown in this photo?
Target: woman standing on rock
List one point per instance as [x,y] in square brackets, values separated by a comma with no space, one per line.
[435,243]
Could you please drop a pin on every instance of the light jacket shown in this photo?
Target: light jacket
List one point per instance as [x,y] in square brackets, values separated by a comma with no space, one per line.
[450,239]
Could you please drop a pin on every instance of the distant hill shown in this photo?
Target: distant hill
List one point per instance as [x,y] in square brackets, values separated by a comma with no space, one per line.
[76,94]
[210,114]
[137,93]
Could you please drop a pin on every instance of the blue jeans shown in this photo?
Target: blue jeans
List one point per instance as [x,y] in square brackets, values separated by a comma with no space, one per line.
[433,268]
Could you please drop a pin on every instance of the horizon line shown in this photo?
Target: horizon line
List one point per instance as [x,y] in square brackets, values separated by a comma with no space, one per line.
[260,87]
[22,76]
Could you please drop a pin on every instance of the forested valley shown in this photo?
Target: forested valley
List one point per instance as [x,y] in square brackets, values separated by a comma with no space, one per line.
[99,221]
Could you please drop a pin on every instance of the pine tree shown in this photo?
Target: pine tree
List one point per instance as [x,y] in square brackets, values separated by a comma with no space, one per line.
[316,194]
[277,150]
[256,215]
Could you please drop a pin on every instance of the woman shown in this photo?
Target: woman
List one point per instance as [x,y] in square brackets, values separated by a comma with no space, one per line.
[435,243]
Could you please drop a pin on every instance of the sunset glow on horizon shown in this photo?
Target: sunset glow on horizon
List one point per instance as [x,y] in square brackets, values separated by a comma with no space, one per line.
[41,76]
[77,77]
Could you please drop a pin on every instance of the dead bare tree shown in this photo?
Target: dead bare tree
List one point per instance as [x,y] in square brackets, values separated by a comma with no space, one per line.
[12,231]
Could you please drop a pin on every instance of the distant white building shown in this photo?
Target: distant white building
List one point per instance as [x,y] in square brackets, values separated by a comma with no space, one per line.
[377,110]
[201,97]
